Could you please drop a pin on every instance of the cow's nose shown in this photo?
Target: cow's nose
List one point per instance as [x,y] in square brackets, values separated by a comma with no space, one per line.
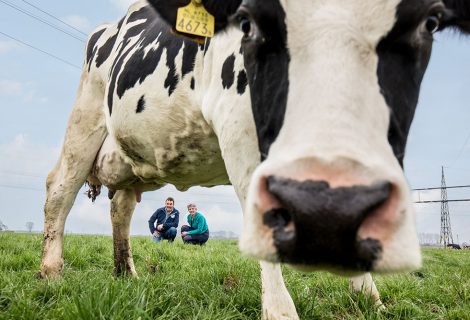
[318,225]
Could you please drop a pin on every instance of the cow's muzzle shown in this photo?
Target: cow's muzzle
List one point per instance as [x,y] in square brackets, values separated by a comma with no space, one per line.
[319,225]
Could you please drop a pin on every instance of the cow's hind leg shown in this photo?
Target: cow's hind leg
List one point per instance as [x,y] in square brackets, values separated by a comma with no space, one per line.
[122,208]
[365,284]
[277,303]
[85,134]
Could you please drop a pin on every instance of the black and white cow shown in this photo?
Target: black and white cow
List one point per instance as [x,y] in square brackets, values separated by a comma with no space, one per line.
[303,106]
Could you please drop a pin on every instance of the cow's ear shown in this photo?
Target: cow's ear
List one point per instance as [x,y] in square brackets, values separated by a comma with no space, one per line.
[459,14]
[220,9]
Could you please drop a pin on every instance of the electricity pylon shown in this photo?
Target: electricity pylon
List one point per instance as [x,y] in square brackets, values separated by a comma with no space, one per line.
[446,231]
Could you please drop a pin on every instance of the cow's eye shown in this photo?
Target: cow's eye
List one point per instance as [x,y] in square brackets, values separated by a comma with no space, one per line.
[243,18]
[432,23]
[245,25]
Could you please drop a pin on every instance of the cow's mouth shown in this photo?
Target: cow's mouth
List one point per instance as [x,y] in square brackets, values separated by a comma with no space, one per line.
[318,225]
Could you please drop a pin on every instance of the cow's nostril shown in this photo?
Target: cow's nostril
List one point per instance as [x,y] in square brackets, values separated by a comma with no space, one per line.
[280,220]
[367,251]
[277,218]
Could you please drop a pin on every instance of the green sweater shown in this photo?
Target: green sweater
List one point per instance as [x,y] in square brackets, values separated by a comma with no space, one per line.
[199,224]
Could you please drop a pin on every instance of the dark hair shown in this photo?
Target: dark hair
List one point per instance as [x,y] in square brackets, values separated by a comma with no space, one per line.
[170,199]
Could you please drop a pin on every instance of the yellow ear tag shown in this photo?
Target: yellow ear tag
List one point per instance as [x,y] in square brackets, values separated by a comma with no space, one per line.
[194,19]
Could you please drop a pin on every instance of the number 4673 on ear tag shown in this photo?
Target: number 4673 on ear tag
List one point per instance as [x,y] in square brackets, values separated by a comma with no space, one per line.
[194,19]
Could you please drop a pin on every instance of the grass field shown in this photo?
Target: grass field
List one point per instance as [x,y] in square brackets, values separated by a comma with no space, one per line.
[210,282]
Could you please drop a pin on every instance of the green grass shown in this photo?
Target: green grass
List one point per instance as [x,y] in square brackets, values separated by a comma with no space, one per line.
[210,282]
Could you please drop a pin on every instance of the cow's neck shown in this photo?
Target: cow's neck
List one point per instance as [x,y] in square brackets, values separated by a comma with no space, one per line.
[226,105]
[221,84]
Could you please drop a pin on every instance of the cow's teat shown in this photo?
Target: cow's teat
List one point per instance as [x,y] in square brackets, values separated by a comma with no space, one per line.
[319,225]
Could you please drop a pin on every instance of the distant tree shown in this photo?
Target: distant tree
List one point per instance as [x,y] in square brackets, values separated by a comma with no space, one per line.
[29,226]
[2,226]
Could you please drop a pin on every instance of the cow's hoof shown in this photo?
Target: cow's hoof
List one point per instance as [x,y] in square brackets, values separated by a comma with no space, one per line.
[128,273]
[280,312]
[380,306]
[276,315]
[47,272]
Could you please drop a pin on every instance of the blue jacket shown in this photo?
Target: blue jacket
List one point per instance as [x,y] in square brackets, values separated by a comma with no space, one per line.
[160,215]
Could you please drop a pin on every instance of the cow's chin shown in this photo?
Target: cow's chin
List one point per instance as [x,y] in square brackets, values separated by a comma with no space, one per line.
[399,255]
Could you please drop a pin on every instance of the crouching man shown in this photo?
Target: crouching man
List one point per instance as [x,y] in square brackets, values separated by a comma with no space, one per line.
[197,231]
[164,221]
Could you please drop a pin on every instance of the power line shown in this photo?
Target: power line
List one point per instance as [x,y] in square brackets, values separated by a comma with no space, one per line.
[192,193]
[42,20]
[10,186]
[435,201]
[235,201]
[40,50]
[20,187]
[32,175]
[54,17]
[436,188]
[461,150]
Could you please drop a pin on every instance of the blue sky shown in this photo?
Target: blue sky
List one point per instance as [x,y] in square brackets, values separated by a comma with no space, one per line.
[37,93]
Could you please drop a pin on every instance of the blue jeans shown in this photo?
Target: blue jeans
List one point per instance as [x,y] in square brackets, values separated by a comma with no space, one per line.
[169,234]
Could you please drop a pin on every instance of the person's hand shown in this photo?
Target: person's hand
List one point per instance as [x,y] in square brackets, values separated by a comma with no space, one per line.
[184,234]
[156,234]
[160,227]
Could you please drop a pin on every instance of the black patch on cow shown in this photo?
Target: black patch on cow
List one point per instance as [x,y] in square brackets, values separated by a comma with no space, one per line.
[401,67]
[105,50]
[192,83]
[172,79]
[228,72]
[91,46]
[140,105]
[242,82]
[130,69]
[205,46]
[459,15]
[141,14]
[403,60]
[318,224]
[189,53]
[266,60]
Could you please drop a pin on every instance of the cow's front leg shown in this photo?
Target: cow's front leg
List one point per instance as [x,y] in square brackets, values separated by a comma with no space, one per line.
[122,208]
[85,134]
[365,284]
[276,300]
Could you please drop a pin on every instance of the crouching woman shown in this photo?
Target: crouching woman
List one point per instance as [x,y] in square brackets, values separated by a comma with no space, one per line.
[197,232]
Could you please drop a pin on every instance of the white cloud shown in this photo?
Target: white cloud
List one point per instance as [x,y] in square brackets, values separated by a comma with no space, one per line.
[79,22]
[88,217]
[27,91]
[7,46]
[122,4]
[219,219]
[31,96]
[10,88]
[23,156]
